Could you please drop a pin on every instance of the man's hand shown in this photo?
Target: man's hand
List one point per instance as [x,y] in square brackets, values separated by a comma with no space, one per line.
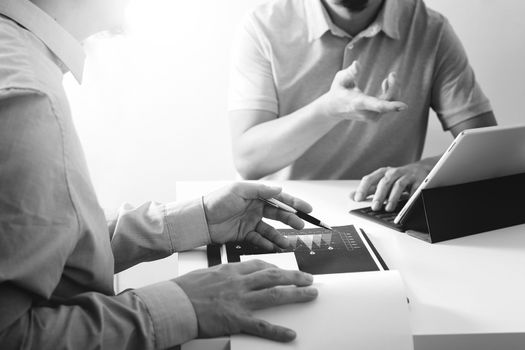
[346,101]
[235,213]
[388,184]
[224,297]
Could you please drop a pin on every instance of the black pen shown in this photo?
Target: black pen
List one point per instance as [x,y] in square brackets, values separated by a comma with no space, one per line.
[278,204]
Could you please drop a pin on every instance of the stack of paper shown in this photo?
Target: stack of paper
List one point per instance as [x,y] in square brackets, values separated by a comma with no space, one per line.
[362,311]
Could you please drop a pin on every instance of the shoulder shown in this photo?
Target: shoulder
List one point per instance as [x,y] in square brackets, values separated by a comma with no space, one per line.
[277,17]
[418,15]
[25,63]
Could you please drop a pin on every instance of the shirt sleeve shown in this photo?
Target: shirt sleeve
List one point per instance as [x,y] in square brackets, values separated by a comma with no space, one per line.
[456,95]
[152,231]
[251,85]
[39,231]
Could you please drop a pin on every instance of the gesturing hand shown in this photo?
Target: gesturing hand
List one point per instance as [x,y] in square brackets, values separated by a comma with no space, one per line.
[235,213]
[224,296]
[346,101]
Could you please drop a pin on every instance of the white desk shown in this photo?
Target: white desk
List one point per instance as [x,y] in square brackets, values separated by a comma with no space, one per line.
[467,293]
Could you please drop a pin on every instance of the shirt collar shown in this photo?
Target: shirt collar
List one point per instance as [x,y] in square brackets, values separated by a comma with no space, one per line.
[57,39]
[319,21]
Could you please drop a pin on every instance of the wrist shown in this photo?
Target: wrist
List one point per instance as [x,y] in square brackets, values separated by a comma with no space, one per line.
[323,109]
[428,163]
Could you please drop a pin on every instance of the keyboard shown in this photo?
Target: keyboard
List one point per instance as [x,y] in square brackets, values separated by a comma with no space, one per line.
[382,217]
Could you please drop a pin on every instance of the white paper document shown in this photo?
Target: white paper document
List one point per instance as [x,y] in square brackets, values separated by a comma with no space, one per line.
[362,311]
[285,261]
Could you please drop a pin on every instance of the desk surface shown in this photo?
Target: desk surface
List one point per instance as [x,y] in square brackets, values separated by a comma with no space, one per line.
[474,284]
[468,286]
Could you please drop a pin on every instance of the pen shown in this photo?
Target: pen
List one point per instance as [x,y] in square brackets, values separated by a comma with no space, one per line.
[278,204]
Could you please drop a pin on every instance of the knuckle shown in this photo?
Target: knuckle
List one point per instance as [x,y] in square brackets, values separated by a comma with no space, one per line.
[258,263]
[403,182]
[366,179]
[263,327]
[273,275]
[274,295]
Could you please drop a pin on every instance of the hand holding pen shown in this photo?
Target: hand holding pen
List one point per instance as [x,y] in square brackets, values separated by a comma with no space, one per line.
[283,206]
[236,212]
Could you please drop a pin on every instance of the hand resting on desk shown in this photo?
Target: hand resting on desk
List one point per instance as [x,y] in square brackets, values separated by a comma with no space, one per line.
[224,296]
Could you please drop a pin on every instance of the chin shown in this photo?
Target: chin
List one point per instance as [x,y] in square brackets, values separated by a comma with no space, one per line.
[354,5]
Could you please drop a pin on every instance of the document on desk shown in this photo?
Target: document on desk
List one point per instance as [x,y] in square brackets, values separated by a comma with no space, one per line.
[364,311]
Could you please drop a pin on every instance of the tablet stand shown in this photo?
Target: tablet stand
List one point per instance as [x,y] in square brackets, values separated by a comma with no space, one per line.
[449,212]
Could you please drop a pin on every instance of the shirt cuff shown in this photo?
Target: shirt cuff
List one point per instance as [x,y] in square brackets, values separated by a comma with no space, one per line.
[186,225]
[171,312]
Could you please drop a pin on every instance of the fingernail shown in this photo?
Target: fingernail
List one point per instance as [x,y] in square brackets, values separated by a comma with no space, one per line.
[358,197]
[308,277]
[376,205]
[389,207]
[290,334]
[311,292]
[402,108]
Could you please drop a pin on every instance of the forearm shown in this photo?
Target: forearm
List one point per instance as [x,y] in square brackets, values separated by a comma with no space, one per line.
[153,231]
[153,317]
[272,145]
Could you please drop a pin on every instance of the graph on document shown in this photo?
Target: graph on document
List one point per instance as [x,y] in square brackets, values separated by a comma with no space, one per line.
[315,240]
[319,251]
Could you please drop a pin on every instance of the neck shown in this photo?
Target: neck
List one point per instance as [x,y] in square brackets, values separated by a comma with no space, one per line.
[353,22]
[71,16]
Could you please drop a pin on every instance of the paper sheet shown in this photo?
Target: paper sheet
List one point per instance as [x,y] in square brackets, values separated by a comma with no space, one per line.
[284,261]
[365,311]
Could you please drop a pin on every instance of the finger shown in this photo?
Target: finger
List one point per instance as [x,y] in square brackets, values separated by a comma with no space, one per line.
[264,329]
[273,277]
[374,104]
[266,298]
[272,235]
[416,185]
[397,190]
[383,188]
[384,89]
[294,202]
[388,87]
[348,77]
[248,190]
[368,183]
[248,267]
[258,240]
[288,218]
[362,196]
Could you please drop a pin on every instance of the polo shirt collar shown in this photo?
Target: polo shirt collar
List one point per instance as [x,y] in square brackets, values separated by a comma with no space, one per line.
[389,18]
[56,38]
[319,21]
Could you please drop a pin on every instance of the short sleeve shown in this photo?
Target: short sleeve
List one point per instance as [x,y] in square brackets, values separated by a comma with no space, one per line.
[251,85]
[456,95]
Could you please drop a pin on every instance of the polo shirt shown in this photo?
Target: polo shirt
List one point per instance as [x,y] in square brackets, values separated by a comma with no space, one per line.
[58,251]
[287,53]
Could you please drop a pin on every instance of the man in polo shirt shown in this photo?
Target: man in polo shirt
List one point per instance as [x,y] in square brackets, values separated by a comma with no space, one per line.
[341,89]
[57,252]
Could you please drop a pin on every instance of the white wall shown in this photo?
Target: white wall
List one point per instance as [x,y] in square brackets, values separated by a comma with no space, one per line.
[151,110]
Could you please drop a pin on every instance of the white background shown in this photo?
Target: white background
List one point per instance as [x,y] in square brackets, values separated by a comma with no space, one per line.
[152,107]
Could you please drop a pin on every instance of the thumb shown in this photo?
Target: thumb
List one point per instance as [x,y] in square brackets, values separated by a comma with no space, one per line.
[348,76]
